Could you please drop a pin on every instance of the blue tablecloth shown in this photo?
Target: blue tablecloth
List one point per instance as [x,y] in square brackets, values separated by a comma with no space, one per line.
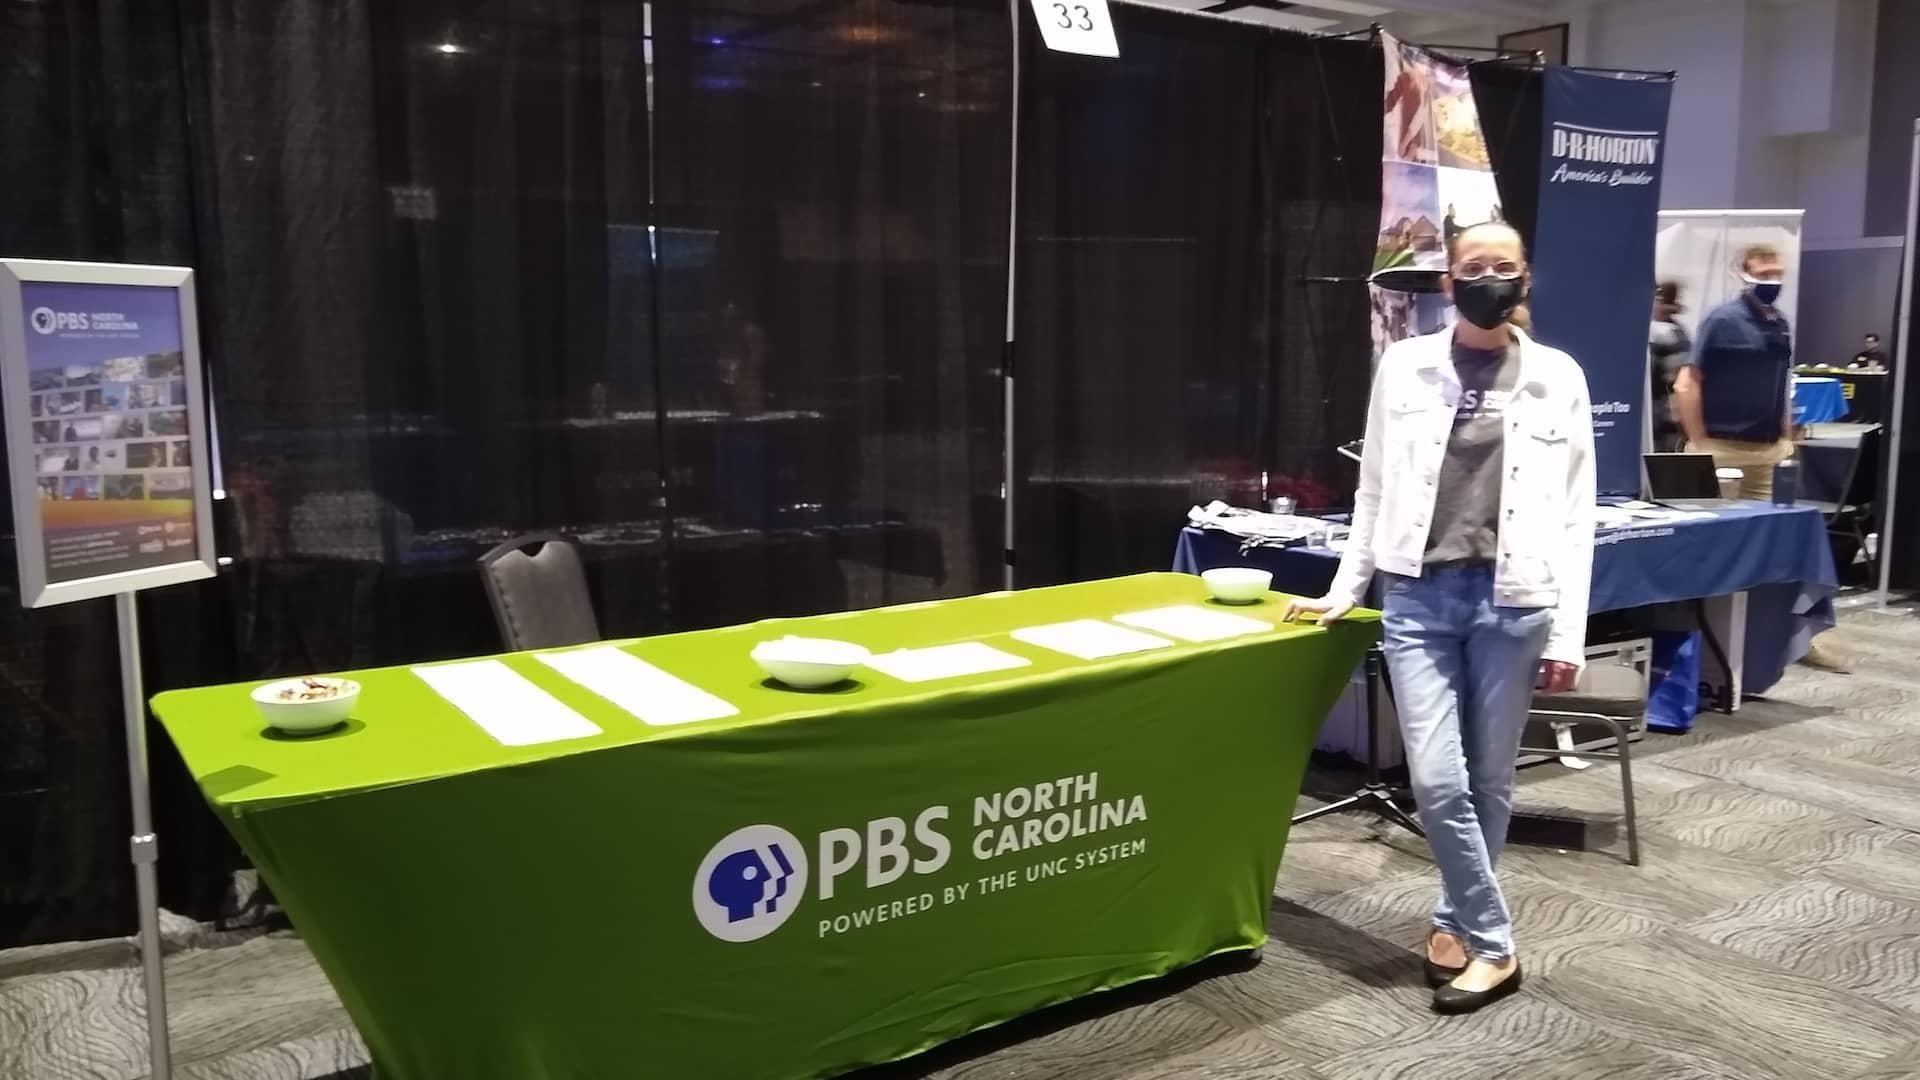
[1818,400]
[1777,555]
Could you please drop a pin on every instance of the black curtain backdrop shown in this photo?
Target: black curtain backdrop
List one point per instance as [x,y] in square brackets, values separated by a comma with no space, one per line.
[833,185]
[1510,99]
[1196,223]
[96,138]
[468,271]
[438,308]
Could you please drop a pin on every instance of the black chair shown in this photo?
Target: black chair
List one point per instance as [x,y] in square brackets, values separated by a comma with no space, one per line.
[1613,698]
[540,601]
[1851,516]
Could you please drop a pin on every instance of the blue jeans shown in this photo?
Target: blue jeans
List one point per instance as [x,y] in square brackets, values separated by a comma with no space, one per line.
[1463,676]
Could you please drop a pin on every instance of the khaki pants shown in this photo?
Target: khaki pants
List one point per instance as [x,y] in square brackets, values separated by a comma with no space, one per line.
[1755,460]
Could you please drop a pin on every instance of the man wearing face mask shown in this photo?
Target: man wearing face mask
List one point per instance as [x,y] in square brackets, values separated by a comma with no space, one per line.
[1735,400]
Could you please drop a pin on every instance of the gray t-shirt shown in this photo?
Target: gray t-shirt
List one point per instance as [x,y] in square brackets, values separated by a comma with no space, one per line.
[1466,507]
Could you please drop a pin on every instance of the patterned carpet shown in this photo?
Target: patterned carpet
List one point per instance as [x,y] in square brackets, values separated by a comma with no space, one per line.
[1773,932]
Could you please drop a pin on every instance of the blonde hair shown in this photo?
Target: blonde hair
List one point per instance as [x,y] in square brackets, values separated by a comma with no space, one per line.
[1758,251]
[1522,316]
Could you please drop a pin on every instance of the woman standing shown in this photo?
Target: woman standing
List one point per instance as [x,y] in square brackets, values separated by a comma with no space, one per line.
[1476,503]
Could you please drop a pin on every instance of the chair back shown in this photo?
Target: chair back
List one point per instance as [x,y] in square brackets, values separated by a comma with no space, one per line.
[540,600]
[1863,480]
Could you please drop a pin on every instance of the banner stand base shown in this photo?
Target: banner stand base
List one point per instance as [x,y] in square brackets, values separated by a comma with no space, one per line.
[1374,794]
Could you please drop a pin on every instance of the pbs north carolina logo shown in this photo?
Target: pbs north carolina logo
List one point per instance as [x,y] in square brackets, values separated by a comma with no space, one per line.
[43,320]
[750,883]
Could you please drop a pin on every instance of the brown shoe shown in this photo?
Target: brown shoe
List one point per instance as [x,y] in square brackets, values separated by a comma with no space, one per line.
[1824,658]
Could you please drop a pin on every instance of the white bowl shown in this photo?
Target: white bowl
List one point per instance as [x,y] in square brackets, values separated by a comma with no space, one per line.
[306,717]
[1238,584]
[809,663]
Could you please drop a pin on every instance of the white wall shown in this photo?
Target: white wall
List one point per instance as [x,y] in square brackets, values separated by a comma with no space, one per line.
[1770,111]
[1703,42]
[1770,103]
[1830,182]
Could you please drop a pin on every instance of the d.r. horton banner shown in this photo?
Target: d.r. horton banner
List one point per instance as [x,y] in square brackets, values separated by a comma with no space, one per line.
[1601,146]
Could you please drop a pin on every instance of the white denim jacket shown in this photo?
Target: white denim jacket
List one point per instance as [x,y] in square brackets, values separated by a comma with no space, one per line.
[1546,491]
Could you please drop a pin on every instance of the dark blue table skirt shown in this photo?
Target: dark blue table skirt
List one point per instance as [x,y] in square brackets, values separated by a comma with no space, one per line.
[1778,556]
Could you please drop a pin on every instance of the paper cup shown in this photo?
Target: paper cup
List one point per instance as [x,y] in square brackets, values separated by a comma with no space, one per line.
[1729,482]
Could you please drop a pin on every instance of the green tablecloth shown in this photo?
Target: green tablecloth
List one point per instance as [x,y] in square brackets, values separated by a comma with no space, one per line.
[490,911]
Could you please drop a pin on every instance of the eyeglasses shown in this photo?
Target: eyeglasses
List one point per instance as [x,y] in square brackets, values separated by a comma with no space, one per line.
[1476,269]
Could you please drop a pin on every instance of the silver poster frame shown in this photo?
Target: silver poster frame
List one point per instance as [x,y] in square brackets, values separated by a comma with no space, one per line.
[35,590]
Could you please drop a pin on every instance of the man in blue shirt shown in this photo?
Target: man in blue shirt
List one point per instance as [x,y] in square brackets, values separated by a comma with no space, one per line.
[1735,399]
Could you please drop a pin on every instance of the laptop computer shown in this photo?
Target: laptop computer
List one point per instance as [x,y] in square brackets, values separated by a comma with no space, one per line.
[1685,482]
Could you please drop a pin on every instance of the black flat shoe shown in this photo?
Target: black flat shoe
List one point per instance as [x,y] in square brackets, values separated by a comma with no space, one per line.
[1439,975]
[1450,1000]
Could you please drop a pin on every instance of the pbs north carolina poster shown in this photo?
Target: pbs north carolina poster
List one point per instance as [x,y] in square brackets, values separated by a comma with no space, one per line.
[107,407]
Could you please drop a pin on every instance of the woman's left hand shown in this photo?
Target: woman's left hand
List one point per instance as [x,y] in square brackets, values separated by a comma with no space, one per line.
[1556,677]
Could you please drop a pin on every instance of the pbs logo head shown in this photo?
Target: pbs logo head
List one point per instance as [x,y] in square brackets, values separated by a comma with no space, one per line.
[43,320]
[749,883]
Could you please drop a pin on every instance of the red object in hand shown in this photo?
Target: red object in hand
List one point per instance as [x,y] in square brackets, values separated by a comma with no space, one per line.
[1556,677]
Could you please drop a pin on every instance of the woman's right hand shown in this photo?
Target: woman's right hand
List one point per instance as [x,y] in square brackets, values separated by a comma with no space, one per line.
[1328,609]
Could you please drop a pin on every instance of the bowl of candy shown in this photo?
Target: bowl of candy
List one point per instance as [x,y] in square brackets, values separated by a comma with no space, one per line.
[1238,584]
[306,705]
[809,663]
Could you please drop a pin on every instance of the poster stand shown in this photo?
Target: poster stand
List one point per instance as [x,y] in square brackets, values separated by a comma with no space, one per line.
[144,846]
[107,461]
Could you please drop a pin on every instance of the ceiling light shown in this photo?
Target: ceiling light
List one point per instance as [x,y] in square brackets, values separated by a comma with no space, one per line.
[865,34]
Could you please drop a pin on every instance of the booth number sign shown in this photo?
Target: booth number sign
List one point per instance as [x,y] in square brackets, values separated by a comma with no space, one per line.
[1076,26]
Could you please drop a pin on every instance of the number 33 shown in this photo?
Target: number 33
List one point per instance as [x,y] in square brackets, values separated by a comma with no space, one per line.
[1067,20]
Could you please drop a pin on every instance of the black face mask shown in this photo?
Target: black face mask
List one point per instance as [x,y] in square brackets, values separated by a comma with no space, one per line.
[1488,302]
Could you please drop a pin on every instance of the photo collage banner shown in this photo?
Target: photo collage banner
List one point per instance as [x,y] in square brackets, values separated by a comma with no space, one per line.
[1436,179]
